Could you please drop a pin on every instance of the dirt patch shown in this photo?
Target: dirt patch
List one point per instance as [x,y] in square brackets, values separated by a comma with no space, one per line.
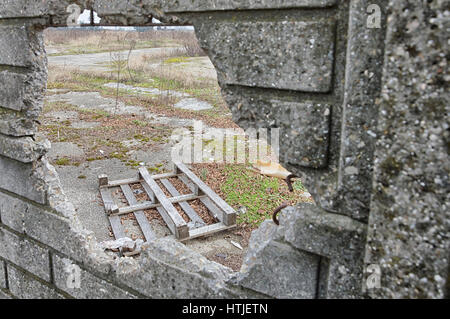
[104,139]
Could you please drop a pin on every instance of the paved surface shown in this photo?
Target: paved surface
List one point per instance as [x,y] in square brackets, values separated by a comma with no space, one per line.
[98,61]
[94,101]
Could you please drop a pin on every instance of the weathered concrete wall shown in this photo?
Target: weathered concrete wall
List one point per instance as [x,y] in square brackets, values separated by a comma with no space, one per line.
[312,68]
[410,217]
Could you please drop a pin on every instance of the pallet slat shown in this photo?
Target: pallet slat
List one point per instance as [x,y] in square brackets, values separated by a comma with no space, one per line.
[140,215]
[116,225]
[229,215]
[184,205]
[164,205]
[181,228]
[152,205]
[207,230]
[129,181]
[217,213]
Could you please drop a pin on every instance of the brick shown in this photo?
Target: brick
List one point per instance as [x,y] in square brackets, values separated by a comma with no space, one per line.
[23,8]
[308,121]
[288,263]
[18,178]
[16,48]
[22,149]
[91,287]
[26,287]
[266,54]
[12,212]
[16,123]
[41,225]
[215,5]
[25,254]
[12,90]
[330,235]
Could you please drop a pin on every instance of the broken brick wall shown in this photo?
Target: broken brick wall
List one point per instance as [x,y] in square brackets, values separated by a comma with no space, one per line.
[314,69]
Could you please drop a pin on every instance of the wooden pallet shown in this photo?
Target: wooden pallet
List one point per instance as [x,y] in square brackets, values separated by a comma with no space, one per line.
[183,231]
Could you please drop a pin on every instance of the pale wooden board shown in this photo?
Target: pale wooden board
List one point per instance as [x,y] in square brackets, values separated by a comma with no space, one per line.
[116,225]
[229,215]
[169,222]
[140,215]
[181,228]
[137,180]
[216,212]
[151,205]
[207,230]
[184,205]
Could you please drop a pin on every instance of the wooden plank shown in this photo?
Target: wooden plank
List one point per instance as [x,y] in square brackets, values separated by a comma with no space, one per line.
[116,225]
[181,228]
[169,222]
[149,192]
[184,205]
[207,230]
[140,215]
[229,215]
[160,209]
[151,205]
[123,182]
[215,211]
[138,180]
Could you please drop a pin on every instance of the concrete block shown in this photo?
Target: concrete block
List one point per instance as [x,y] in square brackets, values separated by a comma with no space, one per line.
[25,286]
[278,270]
[23,8]
[266,54]
[12,90]
[16,47]
[19,178]
[90,286]
[216,5]
[309,122]
[309,228]
[22,149]
[16,123]
[48,228]
[161,273]
[25,254]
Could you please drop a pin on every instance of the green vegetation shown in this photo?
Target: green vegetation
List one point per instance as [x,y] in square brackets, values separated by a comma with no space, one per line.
[63,161]
[261,195]
[180,59]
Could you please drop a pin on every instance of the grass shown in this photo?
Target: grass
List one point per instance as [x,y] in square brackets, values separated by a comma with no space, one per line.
[205,90]
[72,42]
[62,161]
[259,194]
[180,59]
[240,187]
[103,141]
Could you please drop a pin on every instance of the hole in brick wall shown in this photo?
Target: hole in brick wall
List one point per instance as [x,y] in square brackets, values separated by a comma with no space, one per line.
[115,97]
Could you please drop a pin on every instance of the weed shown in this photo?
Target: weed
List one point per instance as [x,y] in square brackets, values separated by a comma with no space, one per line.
[62,161]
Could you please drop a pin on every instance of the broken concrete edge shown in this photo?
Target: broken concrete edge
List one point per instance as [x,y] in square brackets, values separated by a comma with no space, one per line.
[330,244]
[113,12]
[23,149]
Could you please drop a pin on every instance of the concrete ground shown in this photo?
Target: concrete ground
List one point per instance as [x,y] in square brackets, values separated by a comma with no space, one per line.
[98,61]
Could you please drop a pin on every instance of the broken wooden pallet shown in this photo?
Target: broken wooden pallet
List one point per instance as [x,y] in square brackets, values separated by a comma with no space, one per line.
[182,230]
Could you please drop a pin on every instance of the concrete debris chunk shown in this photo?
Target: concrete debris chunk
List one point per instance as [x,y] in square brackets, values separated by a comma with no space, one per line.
[124,244]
